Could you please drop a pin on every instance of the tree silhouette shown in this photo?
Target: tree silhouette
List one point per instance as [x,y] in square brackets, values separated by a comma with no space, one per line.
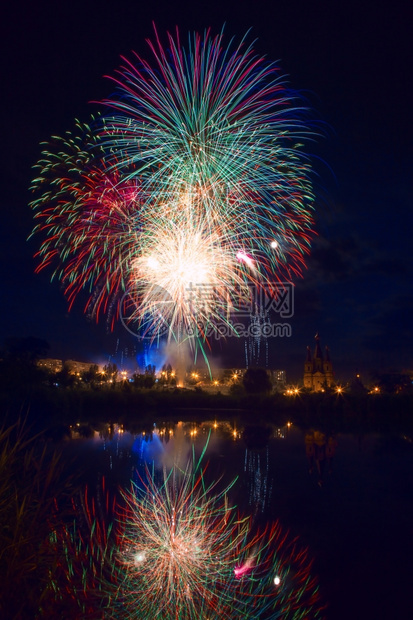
[257,381]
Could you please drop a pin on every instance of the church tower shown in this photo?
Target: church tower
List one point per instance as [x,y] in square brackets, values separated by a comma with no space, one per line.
[308,370]
[318,370]
[328,369]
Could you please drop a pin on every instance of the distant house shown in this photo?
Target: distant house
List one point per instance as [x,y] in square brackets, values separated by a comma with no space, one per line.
[318,370]
[78,367]
[278,379]
[50,364]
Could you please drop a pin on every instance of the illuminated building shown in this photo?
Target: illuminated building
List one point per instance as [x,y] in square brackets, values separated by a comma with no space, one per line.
[78,367]
[50,364]
[278,379]
[318,370]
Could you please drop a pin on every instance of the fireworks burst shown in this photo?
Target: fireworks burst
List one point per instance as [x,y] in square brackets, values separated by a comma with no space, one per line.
[185,553]
[89,214]
[83,578]
[195,180]
[178,549]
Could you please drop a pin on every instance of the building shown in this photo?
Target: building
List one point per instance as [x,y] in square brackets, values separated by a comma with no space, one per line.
[50,364]
[278,379]
[78,367]
[318,370]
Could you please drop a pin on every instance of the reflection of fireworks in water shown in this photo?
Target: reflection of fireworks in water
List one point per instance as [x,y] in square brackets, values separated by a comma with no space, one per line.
[176,548]
[256,465]
[83,580]
[197,178]
[182,552]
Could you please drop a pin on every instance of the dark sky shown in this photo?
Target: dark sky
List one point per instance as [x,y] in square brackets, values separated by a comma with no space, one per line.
[353,62]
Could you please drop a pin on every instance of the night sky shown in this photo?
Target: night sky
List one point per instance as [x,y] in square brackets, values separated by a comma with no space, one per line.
[351,60]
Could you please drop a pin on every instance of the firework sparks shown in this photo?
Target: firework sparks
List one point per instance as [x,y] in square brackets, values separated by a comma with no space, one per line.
[185,552]
[90,217]
[196,179]
[177,546]
[178,549]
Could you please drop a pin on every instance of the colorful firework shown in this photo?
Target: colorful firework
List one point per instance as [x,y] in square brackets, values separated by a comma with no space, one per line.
[178,549]
[89,214]
[185,553]
[83,578]
[195,181]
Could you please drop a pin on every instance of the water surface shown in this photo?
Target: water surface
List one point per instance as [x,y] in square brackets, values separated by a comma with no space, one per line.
[354,512]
